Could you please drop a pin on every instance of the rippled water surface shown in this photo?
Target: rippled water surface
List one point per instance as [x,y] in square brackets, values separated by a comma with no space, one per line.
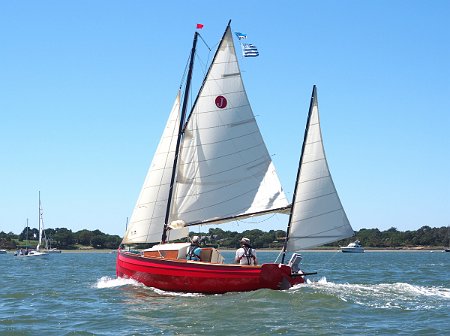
[375,293]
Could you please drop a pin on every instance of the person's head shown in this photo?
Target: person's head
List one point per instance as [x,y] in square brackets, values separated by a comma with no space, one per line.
[195,240]
[245,241]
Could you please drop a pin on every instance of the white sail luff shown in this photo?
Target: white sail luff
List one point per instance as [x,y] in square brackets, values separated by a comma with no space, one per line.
[147,220]
[224,169]
[318,216]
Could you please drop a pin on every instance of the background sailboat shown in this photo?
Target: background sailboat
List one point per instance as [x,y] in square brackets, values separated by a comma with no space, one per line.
[27,252]
[39,251]
[44,244]
[448,239]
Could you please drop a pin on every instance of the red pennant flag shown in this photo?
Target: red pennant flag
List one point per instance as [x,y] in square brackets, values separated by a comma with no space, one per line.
[199,26]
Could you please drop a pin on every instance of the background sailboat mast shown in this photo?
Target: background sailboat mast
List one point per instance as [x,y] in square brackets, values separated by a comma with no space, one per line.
[26,246]
[313,97]
[40,224]
[180,131]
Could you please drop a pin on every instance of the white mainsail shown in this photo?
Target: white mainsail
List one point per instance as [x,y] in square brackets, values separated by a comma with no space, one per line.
[225,169]
[317,214]
[147,220]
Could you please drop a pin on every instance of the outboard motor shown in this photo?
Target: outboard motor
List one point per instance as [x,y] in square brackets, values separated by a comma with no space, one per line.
[294,262]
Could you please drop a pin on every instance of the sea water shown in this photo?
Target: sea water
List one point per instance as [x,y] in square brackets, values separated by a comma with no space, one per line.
[374,293]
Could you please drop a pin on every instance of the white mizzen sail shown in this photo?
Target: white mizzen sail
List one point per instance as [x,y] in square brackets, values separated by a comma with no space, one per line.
[147,220]
[317,214]
[225,169]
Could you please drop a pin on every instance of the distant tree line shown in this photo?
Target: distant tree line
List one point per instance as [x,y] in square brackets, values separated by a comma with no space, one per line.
[392,238]
[63,238]
[230,239]
[374,238]
[60,238]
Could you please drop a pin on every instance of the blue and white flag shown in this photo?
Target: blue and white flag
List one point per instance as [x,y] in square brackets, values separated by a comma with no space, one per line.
[241,36]
[249,50]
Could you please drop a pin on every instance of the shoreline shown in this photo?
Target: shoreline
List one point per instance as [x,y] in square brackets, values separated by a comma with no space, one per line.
[277,251]
[366,250]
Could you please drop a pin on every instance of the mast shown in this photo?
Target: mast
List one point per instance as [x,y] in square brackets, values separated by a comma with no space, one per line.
[313,98]
[180,135]
[27,236]
[40,224]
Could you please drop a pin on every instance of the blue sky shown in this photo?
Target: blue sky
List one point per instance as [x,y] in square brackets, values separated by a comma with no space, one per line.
[86,87]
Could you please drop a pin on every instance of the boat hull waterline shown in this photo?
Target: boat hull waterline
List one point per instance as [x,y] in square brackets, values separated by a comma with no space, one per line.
[352,249]
[207,278]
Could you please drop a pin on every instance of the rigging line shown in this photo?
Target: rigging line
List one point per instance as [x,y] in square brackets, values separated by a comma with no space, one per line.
[328,261]
[203,70]
[205,65]
[206,44]
[256,222]
[183,77]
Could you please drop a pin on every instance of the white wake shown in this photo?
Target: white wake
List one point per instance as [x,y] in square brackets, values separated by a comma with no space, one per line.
[385,295]
[108,282]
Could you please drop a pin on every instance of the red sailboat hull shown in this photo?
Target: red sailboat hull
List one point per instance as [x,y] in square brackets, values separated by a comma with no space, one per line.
[198,277]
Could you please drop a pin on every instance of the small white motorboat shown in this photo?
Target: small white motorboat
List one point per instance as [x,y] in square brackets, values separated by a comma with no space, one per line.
[354,247]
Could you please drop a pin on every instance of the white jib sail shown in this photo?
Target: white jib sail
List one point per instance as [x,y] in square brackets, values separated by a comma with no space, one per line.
[147,220]
[224,169]
[318,216]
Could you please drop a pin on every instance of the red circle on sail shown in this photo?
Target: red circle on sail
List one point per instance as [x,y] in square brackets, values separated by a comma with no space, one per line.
[221,102]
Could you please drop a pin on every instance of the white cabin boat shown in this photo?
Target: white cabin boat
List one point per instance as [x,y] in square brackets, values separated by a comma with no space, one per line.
[354,247]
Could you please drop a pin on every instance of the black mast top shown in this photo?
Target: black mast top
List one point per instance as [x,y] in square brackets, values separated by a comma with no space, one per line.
[209,69]
[311,105]
[180,132]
